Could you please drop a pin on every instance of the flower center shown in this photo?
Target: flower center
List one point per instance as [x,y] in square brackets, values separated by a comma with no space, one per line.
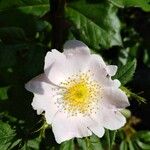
[79,94]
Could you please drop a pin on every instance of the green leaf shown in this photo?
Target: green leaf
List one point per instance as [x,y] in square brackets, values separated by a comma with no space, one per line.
[140,140]
[91,143]
[3,93]
[95,34]
[68,145]
[82,144]
[35,2]
[35,59]
[143,146]
[136,147]
[144,136]
[144,4]
[35,7]
[123,56]
[131,145]
[123,145]
[32,7]
[14,18]
[34,143]
[126,72]
[108,139]
[5,4]
[6,136]
[12,34]
[100,10]
[95,143]
[146,58]
[110,136]
[35,55]
[43,25]
[36,10]
[15,144]
[8,54]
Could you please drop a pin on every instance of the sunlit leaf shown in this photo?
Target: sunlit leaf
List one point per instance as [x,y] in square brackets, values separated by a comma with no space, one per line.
[144,4]
[95,34]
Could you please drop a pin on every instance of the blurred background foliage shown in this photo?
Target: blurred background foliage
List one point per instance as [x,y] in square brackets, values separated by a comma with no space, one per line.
[116,29]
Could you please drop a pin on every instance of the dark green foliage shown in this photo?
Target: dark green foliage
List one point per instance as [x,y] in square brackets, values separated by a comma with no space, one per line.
[116,29]
[139,141]
[92,143]
[68,145]
[126,72]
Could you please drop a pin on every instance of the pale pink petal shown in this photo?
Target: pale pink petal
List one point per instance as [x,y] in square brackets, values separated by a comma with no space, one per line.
[97,130]
[39,84]
[100,74]
[44,96]
[108,82]
[75,47]
[111,118]
[62,69]
[50,111]
[67,127]
[111,69]
[96,67]
[45,104]
[114,97]
[39,103]
[98,59]
[51,57]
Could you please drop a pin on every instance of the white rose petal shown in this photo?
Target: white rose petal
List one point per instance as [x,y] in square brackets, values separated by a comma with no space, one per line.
[66,128]
[111,69]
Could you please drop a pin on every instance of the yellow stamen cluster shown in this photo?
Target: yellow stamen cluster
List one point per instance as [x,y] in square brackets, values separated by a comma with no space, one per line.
[80,94]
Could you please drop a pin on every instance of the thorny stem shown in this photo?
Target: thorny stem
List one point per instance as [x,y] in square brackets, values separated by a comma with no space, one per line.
[57,21]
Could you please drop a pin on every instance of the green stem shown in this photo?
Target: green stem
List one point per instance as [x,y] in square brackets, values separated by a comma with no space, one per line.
[133,95]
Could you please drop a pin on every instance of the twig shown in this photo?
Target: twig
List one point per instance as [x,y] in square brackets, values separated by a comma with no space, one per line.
[57,21]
